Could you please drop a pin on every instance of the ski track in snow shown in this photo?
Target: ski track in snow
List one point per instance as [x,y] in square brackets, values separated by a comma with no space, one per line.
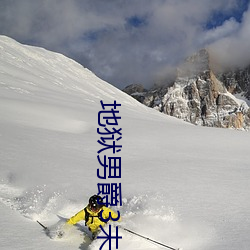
[145,214]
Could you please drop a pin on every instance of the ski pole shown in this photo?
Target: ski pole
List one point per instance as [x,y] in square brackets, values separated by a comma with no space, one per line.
[159,243]
[45,228]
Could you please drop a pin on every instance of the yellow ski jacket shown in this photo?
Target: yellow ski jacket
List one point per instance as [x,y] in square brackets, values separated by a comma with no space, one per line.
[93,221]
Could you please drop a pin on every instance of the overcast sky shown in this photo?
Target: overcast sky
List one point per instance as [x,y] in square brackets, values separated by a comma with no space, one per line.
[131,41]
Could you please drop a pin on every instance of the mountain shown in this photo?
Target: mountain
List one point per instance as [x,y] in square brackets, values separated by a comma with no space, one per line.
[237,81]
[182,185]
[200,96]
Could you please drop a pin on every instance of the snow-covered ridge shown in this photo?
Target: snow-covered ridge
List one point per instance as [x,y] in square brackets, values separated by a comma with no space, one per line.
[34,66]
[33,74]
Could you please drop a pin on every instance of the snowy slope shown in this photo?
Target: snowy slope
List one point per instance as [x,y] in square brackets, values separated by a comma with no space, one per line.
[182,185]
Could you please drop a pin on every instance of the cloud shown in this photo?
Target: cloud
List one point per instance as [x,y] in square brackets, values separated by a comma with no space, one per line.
[228,28]
[233,49]
[124,42]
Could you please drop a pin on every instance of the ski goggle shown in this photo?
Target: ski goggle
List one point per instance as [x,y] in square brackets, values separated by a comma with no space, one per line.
[94,207]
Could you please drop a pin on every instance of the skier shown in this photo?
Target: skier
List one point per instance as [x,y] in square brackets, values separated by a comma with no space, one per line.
[95,214]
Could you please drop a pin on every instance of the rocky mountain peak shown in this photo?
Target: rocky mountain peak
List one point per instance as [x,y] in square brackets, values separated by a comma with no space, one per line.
[197,64]
[200,96]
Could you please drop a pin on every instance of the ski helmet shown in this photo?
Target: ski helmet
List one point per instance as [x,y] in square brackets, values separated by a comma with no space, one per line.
[95,202]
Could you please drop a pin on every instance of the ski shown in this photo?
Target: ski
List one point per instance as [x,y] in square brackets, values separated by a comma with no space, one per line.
[146,238]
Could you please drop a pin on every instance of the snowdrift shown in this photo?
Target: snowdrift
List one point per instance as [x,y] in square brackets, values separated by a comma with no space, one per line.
[182,185]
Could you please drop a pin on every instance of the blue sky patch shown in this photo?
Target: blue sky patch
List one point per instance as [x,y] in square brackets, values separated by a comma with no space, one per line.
[136,21]
[219,17]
